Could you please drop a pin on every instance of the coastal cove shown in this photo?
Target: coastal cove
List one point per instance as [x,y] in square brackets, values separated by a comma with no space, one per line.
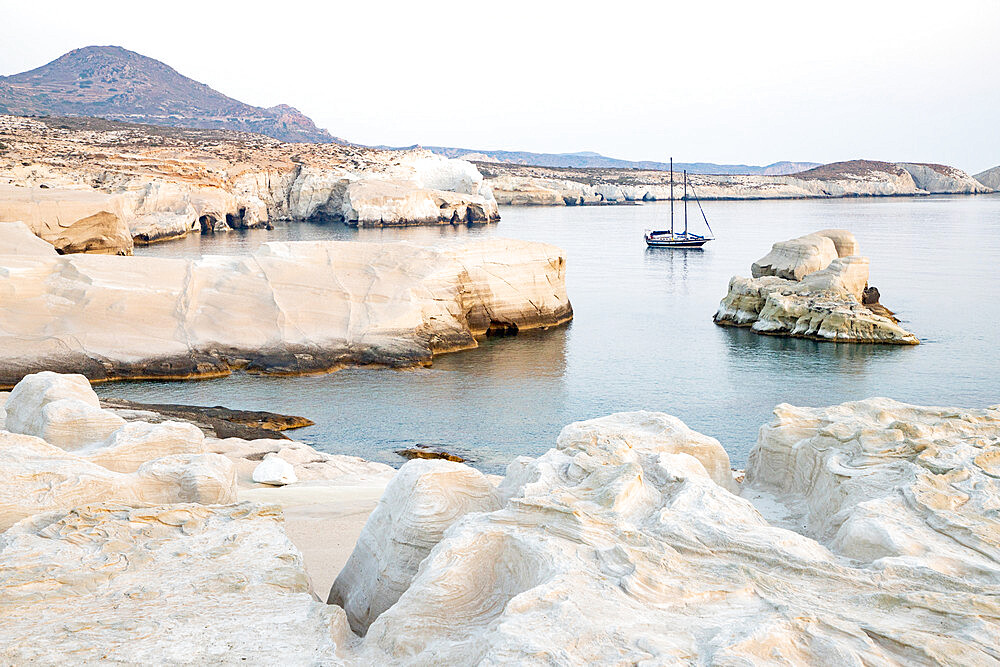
[643,336]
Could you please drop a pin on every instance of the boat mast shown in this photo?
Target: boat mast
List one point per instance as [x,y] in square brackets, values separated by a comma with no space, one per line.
[671,196]
[685,202]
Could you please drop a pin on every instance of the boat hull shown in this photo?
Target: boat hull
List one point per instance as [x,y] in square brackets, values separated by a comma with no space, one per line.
[675,243]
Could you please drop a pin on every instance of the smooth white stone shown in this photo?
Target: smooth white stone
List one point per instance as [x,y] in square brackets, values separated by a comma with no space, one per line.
[275,471]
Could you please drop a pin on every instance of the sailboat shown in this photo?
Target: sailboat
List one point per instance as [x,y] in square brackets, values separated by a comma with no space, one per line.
[668,238]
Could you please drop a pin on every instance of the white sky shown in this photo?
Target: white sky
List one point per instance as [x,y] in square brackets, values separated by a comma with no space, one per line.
[731,82]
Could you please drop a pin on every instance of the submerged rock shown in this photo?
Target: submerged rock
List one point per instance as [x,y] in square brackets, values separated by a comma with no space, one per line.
[217,421]
[808,287]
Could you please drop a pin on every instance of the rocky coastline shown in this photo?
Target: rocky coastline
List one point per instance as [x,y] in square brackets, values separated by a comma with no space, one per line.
[289,308]
[814,286]
[121,535]
[522,185]
[86,184]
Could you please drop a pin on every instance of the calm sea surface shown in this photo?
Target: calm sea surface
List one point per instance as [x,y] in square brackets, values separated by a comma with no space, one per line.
[643,336]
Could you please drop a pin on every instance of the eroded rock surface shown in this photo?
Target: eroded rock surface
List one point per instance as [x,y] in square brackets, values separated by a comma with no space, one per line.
[864,533]
[288,308]
[176,584]
[613,550]
[811,287]
[420,503]
[89,185]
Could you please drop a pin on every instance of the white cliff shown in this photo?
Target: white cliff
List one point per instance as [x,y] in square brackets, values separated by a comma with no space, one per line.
[100,191]
[521,185]
[811,287]
[942,179]
[288,308]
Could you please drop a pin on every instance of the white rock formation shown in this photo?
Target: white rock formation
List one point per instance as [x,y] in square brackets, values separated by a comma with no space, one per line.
[520,185]
[59,449]
[420,503]
[289,307]
[60,409]
[650,432]
[135,443]
[900,488]
[17,239]
[275,471]
[180,584]
[71,218]
[873,541]
[87,191]
[990,178]
[795,259]
[807,288]
[941,179]
[609,554]
[40,477]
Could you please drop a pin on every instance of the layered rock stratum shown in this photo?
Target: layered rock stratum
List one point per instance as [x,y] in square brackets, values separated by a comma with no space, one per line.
[814,286]
[289,308]
[863,533]
[549,186]
[86,184]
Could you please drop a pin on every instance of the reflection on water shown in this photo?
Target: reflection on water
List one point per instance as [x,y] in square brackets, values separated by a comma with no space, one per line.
[643,336]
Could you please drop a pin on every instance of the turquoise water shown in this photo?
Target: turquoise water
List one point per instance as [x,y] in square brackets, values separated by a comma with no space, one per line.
[643,336]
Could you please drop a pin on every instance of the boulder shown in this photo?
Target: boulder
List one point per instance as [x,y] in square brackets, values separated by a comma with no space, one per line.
[135,443]
[61,409]
[419,504]
[275,471]
[797,258]
[652,433]
[889,484]
[843,241]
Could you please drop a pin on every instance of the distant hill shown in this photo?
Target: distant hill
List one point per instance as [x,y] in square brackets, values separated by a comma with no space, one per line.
[990,178]
[588,159]
[118,84]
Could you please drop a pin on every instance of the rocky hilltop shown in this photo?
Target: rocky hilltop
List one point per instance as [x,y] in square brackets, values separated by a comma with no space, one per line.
[88,184]
[541,186]
[815,286]
[863,533]
[990,178]
[289,308]
[118,84]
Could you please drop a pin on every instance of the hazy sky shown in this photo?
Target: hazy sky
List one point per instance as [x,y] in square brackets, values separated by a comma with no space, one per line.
[736,82]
